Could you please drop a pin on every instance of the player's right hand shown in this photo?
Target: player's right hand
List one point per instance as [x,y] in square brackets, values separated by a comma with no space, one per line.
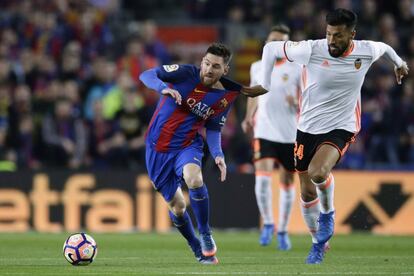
[221,164]
[173,94]
[400,72]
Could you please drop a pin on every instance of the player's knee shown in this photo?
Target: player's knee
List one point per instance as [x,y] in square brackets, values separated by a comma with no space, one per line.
[287,179]
[179,209]
[193,180]
[318,173]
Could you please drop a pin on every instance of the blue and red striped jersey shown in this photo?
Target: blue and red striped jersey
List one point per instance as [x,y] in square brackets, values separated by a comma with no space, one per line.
[174,126]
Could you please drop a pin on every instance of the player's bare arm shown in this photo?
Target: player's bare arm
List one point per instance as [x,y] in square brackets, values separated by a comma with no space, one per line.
[247,124]
[253,91]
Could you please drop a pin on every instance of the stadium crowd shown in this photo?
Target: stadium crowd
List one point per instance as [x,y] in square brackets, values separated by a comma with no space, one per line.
[70,95]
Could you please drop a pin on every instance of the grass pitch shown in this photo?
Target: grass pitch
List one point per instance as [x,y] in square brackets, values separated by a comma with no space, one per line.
[238,252]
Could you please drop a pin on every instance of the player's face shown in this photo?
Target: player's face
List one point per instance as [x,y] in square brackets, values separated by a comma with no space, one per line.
[339,38]
[277,36]
[212,69]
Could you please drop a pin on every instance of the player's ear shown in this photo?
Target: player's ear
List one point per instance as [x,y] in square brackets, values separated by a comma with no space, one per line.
[353,33]
[226,69]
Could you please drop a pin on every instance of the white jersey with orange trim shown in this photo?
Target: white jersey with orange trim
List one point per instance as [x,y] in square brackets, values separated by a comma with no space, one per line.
[331,87]
[275,119]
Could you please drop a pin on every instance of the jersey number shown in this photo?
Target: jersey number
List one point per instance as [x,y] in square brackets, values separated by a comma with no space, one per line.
[299,151]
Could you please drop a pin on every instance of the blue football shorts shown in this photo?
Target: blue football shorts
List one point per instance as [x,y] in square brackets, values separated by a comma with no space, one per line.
[165,169]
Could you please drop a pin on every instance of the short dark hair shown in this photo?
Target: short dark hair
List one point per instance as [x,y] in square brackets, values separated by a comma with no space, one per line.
[281,28]
[221,50]
[342,17]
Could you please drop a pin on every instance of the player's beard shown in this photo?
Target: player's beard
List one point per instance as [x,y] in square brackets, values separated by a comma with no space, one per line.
[209,81]
[337,51]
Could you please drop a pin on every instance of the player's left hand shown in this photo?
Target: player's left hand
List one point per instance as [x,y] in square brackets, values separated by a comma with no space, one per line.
[253,91]
[400,72]
[222,166]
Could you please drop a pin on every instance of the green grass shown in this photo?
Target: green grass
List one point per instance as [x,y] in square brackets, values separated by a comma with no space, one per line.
[239,254]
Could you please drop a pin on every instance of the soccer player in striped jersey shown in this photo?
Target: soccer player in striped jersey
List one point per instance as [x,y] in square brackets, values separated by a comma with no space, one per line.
[195,98]
[273,118]
[334,69]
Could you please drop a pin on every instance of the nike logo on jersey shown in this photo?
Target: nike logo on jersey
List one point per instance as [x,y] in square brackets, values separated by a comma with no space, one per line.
[197,160]
[199,91]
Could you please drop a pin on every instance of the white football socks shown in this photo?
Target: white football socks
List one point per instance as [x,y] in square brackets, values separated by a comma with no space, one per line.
[263,192]
[286,199]
[325,191]
[310,213]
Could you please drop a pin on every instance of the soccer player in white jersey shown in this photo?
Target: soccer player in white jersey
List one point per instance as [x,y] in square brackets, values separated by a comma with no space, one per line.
[273,118]
[334,69]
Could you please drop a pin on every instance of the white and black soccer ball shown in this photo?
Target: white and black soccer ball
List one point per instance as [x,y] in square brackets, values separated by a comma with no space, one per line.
[80,249]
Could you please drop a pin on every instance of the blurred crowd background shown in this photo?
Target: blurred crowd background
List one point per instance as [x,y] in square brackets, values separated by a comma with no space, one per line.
[70,95]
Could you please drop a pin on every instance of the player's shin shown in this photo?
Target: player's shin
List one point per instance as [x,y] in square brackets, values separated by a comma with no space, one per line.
[263,192]
[310,213]
[325,191]
[185,227]
[200,203]
[286,199]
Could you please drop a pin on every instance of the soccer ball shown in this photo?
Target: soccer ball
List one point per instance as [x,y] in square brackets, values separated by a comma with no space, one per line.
[80,249]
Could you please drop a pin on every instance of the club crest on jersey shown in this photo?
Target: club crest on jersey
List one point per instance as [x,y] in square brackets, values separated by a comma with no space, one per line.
[171,68]
[223,103]
[285,77]
[358,63]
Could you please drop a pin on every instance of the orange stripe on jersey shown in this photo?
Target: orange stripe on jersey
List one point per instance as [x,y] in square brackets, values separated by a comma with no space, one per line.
[263,173]
[358,116]
[304,77]
[299,97]
[349,50]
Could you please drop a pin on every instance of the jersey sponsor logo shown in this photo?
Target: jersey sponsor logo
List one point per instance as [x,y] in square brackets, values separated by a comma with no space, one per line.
[357,63]
[285,77]
[199,91]
[200,109]
[171,68]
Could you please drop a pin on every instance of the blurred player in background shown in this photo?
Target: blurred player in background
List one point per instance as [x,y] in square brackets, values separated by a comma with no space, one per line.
[273,117]
[174,148]
[330,110]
